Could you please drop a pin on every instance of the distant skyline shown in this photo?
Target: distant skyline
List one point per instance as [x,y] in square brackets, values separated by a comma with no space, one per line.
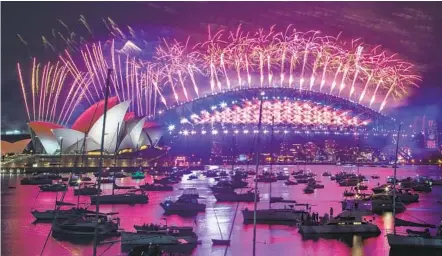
[412,29]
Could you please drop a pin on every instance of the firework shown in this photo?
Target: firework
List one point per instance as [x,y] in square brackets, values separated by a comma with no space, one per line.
[180,72]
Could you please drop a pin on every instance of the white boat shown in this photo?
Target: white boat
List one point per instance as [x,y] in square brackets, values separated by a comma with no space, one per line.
[346,223]
[49,215]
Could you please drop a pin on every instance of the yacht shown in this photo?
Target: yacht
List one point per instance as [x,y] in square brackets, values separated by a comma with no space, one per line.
[405,197]
[309,190]
[415,239]
[236,197]
[125,198]
[282,176]
[84,227]
[166,181]
[290,182]
[156,187]
[146,228]
[345,223]
[278,215]
[53,187]
[35,181]
[326,174]
[183,205]
[49,215]
[87,191]
[162,238]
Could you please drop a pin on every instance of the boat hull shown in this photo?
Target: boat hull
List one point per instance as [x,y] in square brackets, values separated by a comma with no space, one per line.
[340,229]
[120,199]
[397,241]
[273,215]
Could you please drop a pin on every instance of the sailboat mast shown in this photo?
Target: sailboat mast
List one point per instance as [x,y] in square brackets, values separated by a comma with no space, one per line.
[394,180]
[115,159]
[100,166]
[271,163]
[256,170]
[233,153]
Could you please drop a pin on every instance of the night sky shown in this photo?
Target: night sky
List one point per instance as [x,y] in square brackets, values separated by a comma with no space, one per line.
[411,29]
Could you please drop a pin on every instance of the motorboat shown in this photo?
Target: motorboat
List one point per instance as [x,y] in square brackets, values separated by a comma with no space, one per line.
[349,182]
[315,185]
[119,175]
[137,175]
[326,174]
[162,238]
[211,174]
[381,189]
[277,215]
[146,228]
[87,191]
[349,193]
[406,196]
[166,181]
[190,193]
[35,181]
[422,187]
[375,176]
[124,198]
[49,215]
[309,190]
[236,197]
[192,177]
[183,205]
[106,180]
[305,181]
[84,227]
[115,186]
[282,176]
[345,223]
[75,181]
[53,187]
[361,187]
[156,187]
[413,238]
[290,182]
[384,203]
[267,177]
[86,178]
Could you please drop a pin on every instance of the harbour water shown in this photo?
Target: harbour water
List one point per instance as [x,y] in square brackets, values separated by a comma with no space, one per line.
[21,237]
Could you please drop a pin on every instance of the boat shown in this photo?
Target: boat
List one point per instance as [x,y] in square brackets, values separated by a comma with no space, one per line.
[35,181]
[326,174]
[137,175]
[87,191]
[286,215]
[192,177]
[406,196]
[49,215]
[211,174]
[167,180]
[235,197]
[123,187]
[381,189]
[361,187]
[375,176]
[290,182]
[349,193]
[266,177]
[190,193]
[282,176]
[83,228]
[53,187]
[181,230]
[165,239]
[384,203]
[156,187]
[124,198]
[412,238]
[309,190]
[221,241]
[107,180]
[183,205]
[86,178]
[422,188]
[347,222]
[119,175]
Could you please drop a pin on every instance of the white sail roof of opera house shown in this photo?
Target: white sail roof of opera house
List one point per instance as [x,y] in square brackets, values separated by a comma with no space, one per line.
[114,121]
[133,129]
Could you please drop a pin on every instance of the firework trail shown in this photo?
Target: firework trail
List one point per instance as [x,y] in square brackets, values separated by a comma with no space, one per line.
[227,59]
